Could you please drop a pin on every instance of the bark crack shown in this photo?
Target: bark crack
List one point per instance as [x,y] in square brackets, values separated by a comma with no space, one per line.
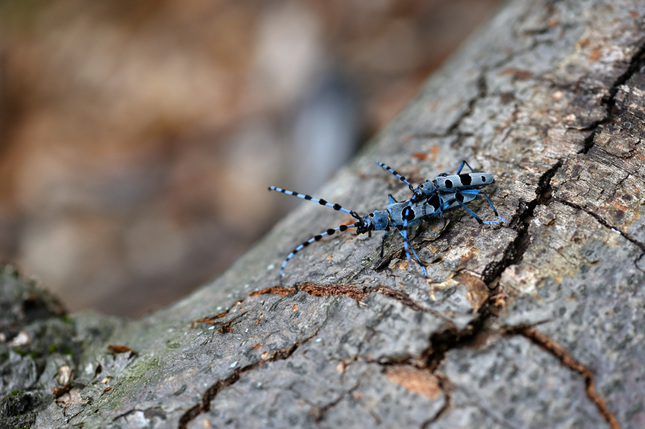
[604,223]
[446,387]
[212,392]
[520,223]
[476,332]
[319,412]
[318,290]
[563,355]
[609,101]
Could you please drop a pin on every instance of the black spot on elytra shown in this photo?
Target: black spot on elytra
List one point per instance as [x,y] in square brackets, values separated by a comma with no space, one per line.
[466,179]
[408,214]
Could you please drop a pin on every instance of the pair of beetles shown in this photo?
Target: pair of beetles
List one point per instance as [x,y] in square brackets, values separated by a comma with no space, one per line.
[429,199]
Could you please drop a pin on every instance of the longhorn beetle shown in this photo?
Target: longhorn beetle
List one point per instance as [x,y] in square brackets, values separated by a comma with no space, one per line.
[428,200]
[465,188]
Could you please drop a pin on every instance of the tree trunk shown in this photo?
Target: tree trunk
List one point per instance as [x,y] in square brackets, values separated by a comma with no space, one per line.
[535,323]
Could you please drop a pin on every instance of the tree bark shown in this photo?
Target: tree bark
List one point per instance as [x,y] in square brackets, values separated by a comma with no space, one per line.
[536,323]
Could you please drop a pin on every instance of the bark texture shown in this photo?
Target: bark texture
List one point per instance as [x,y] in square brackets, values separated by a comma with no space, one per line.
[537,323]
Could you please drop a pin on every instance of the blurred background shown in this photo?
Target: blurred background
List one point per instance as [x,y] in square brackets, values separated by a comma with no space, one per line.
[137,138]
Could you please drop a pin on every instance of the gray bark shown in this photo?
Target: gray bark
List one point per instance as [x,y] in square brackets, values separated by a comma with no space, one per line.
[537,323]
